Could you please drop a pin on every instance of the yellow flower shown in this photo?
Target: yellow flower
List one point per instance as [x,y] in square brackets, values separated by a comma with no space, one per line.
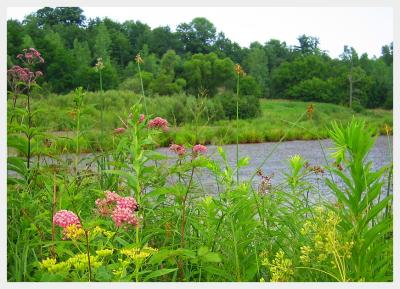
[388,129]
[104,252]
[239,70]
[60,267]
[281,268]
[74,232]
[138,254]
[48,263]
[99,65]
[139,59]
[305,254]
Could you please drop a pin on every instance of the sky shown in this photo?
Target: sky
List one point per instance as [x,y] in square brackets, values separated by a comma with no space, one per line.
[366,29]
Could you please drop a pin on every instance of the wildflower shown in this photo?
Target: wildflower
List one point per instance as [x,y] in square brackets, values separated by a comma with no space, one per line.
[138,254]
[97,231]
[139,59]
[281,268]
[305,254]
[73,232]
[80,262]
[119,130]
[128,203]
[31,56]
[178,149]
[104,252]
[239,70]
[65,218]
[158,123]
[121,209]
[48,263]
[19,74]
[388,129]
[310,111]
[124,215]
[112,196]
[59,267]
[199,149]
[99,65]
[141,118]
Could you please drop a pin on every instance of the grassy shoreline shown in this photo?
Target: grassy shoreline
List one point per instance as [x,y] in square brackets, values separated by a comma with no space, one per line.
[276,121]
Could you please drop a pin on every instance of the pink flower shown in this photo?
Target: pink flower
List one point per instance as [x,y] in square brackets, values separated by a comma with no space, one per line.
[199,149]
[124,215]
[141,118]
[65,218]
[159,123]
[121,209]
[119,130]
[103,208]
[30,57]
[38,73]
[112,196]
[178,149]
[127,202]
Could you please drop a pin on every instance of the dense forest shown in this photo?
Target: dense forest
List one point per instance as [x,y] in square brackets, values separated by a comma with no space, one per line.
[195,59]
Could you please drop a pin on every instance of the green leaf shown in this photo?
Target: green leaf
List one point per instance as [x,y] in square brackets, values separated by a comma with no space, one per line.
[202,251]
[211,257]
[159,273]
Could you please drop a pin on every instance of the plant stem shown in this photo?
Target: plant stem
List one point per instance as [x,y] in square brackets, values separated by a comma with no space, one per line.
[29,127]
[183,223]
[141,84]
[101,110]
[53,209]
[77,141]
[88,254]
[237,127]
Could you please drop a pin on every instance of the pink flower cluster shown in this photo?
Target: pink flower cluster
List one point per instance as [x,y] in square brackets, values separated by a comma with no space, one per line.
[141,118]
[199,149]
[119,130]
[178,149]
[21,74]
[121,209]
[65,218]
[159,123]
[31,56]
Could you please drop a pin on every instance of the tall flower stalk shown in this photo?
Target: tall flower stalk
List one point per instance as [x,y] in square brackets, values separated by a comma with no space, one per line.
[139,60]
[26,77]
[99,67]
[78,100]
[239,71]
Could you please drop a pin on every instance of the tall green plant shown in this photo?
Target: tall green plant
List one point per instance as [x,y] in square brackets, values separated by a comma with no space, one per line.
[360,204]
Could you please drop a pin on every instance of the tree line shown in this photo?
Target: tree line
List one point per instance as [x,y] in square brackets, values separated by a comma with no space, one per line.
[195,59]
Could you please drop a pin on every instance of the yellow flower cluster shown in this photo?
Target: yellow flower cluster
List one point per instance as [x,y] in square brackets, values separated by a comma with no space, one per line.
[100,231]
[104,252]
[48,263]
[99,65]
[327,243]
[281,268]
[78,262]
[239,70]
[138,254]
[139,59]
[73,232]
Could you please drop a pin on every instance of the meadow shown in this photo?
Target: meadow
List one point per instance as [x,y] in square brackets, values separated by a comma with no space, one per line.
[135,218]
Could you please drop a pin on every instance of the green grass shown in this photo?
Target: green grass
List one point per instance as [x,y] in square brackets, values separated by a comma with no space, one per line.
[270,126]
[276,116]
